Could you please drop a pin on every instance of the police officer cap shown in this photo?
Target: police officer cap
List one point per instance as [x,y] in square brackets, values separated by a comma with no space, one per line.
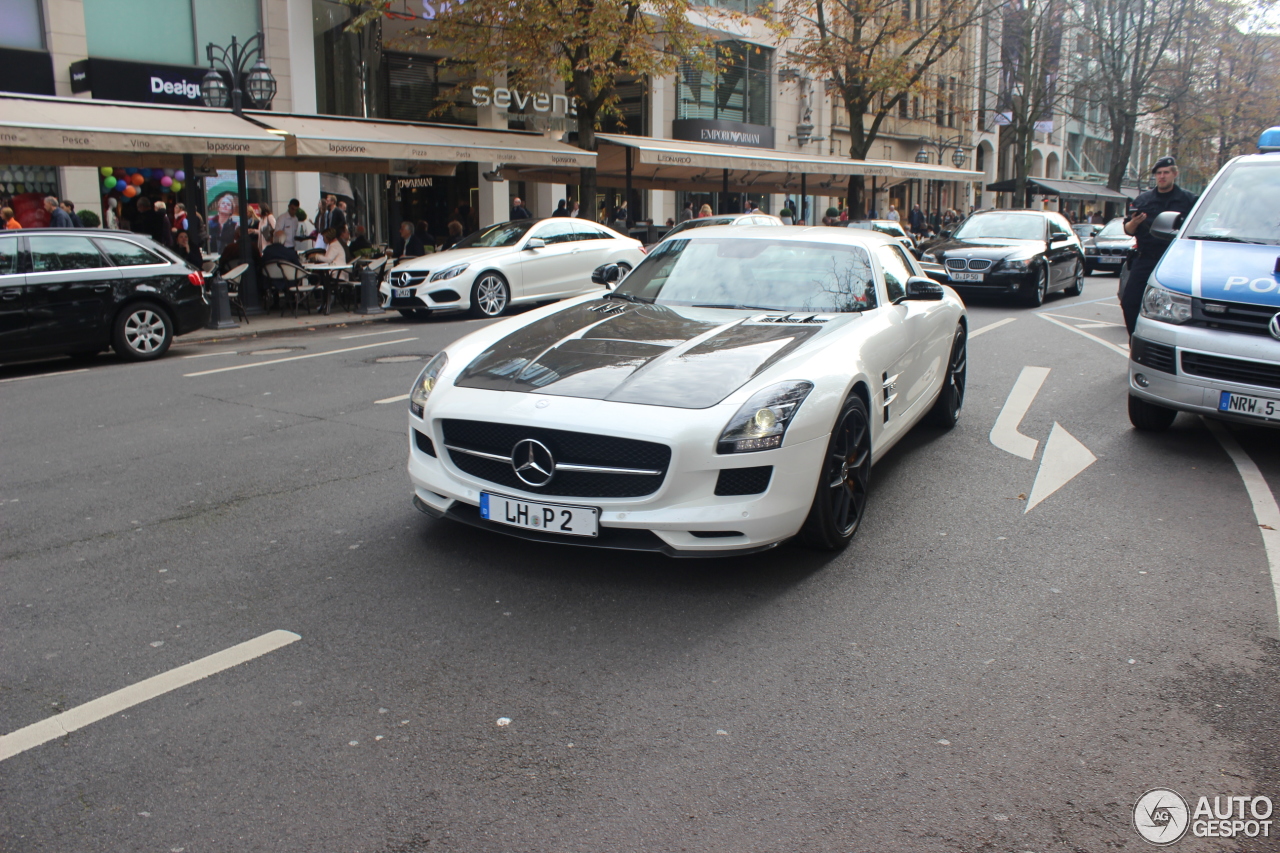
[1164,162]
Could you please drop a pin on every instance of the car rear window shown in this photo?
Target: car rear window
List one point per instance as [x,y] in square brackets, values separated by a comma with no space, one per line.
[52,254]
[8,255]
[126,254]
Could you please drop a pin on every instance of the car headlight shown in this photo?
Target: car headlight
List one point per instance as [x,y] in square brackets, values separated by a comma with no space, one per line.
[426,383]
[762,421]
[1017,263]
[929,258]
[1091,250]
[1164,305]
[450,272]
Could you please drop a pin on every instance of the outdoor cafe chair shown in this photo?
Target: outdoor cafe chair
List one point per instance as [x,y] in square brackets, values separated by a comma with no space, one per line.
[232,278]
[291,282]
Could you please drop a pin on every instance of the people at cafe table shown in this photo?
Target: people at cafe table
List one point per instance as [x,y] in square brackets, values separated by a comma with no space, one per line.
[408,244]
[360,243]
[335,250]
[231,253]
[279,250]
[187,250]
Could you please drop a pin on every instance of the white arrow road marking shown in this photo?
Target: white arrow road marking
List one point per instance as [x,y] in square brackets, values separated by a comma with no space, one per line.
[1123,350]
[987,328]
[1004,434]
[126,697]
[1064,457]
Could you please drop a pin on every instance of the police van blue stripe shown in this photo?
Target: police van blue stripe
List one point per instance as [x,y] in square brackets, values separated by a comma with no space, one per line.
[1231,272]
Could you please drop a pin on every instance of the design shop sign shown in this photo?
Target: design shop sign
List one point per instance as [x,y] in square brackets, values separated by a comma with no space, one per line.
[141,82]
[539,110]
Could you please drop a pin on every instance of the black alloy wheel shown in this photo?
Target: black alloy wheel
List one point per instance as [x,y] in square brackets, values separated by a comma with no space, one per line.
[841,497]
[1077,283]
[1036,297]
[946,411]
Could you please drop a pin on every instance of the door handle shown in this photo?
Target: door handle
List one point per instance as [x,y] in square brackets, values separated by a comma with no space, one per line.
[10,295]
[102,288]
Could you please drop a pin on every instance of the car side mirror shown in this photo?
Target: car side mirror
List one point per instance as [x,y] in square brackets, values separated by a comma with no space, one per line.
[607,274]
[923,289]
[946,235]
[535,243]
[1166,225]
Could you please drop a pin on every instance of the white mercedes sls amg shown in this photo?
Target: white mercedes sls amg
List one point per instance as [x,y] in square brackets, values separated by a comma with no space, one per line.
[731,392]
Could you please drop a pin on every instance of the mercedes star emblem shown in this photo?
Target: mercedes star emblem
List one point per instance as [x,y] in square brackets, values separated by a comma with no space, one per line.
[405,278]
[1274,326]
[533,462]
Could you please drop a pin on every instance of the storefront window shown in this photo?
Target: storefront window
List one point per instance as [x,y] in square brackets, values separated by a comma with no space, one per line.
[739,89]
[165,31]
[23,188]
[216,21]
[22,27]
[415,87]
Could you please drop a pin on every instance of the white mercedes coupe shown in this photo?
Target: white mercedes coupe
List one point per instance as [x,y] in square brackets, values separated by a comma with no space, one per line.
[526,260]
[730,393]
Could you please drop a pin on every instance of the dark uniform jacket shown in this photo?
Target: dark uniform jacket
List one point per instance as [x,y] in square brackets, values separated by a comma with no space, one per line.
[1153,203]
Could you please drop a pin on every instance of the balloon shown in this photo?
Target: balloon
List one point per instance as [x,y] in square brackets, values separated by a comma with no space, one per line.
[179,175]
[121,183]
[176,187]
[130,191]
[138,180]
[131,171]
[106,171]
[108,185]
[166,182]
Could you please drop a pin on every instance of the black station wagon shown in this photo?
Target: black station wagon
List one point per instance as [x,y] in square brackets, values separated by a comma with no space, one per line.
[82,290]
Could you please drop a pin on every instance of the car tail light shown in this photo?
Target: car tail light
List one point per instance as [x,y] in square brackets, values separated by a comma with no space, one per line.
[643,250]
[196,278]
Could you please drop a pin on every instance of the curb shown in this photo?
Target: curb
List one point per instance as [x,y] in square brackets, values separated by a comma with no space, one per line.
[208,336]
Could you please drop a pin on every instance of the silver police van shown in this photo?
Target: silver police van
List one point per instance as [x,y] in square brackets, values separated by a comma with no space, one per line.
[1208,338]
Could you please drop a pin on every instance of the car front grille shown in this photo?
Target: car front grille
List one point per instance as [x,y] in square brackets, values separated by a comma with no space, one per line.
[575,448]
[1160,357]
[1231,316]
[1260,373]
[972,264]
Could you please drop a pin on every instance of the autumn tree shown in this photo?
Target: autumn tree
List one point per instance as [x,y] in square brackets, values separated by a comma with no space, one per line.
[1129,42]
[588,45]
[876,53]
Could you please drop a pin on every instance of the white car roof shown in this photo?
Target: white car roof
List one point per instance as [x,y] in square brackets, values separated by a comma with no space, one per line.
[799,233]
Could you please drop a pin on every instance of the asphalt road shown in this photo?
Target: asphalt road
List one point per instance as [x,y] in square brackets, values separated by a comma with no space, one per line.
[972,674]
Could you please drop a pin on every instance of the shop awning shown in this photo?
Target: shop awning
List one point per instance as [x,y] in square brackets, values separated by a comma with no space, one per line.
[673,164]
[1066,189]
[334,144]
[80,132]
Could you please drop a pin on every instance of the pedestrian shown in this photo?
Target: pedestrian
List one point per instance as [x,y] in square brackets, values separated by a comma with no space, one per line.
[687,213]
[266,226]
[278,251]
[518,210]
[359,243]
[179,218]
[163,223]
[455,235]
[189,252]
[621,219]
[70,208]
[1167,195]
[408,244]
[9,221]
[562,209]
[704,211]
[287,223]
[916,220]
[577,209]
[58,216]
[893,216]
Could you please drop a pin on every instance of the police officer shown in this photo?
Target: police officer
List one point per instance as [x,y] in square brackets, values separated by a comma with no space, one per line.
[1166,196]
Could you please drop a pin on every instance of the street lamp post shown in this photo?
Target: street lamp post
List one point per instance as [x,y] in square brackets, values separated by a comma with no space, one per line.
[958,156]
[256,81]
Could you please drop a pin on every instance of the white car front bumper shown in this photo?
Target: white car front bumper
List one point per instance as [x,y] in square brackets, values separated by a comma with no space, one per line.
[668,520]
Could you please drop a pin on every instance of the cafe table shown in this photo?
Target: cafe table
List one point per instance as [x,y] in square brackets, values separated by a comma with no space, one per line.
[331,282]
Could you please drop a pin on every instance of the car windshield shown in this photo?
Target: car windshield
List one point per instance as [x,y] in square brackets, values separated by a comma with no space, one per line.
[700,223]
[497,236]
[774,275]
[1008,226]
[1241,206]
[1114,230]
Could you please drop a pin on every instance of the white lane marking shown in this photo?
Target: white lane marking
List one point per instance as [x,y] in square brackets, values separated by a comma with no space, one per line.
[1099,325]
[113,703]
[299,357]
[997,324]
[43,375]
[207,354]
[1114,303]
[368,334]
[391,400]
[1004,434]
[1064,457]
[1265,509]
[1124,351]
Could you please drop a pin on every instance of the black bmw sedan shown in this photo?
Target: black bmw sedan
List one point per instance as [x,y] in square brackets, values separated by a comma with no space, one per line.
[82,290]
[1021,253]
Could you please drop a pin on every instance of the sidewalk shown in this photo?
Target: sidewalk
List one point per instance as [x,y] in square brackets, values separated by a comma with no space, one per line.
[272,323]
